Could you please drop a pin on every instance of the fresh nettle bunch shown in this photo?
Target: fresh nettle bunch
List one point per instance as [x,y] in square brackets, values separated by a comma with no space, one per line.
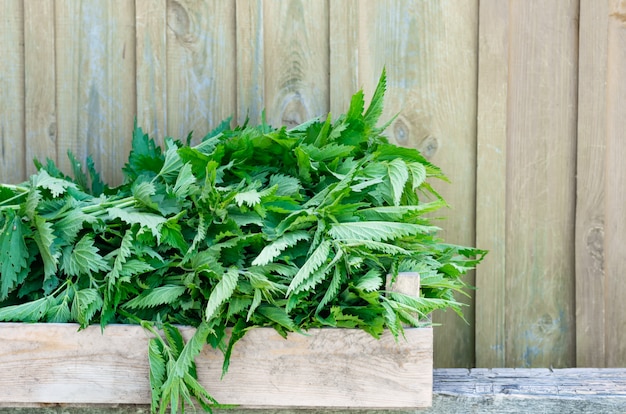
[254,226]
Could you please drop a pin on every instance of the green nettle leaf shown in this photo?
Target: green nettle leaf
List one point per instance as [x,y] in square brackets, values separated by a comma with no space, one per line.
[172,163]
[33,198]
[249,198]
[274,249]
[151,221]
[370,281]
[377,230]
[398,177]
[287,185]
[85,305]
[121,255]
[279,316]
[418,174]
[68,227]
[161,295]
[44,237]
[375,110]
[83,258]
[157,369]
[184,181]
[327,152]
[143,192]
[13,253]
[56,186]
[59,313]
[222,292]
[27,312]
[336,282]
[315,260]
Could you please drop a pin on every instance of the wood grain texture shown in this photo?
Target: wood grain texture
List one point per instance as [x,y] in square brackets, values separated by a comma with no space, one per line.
[250,70]
[151,55]
[201,63]
[53,363]
[343,40]
[296,60]
[12,165]
[541,184]
[615,243]
[429,50]
[39,83]
[95,50]
[529,383]
[491,182]
[590,184]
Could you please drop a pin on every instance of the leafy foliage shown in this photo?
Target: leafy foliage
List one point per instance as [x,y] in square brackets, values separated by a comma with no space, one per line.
[254,226]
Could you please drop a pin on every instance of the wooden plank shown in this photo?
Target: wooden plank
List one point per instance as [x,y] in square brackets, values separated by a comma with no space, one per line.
[95,58]
[430,52]
[55,364]
[250,61]
[344,48]
[491,182]
[150,20]
[615,242]
[528,383]
[296,65]
[12,165]
[590,184]
[39,82]
[541,158]
[200,57]
[529,390]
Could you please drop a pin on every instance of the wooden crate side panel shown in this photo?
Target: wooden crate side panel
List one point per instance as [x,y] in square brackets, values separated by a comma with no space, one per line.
[591,180]
[12,165]
[541,184]
[53,363]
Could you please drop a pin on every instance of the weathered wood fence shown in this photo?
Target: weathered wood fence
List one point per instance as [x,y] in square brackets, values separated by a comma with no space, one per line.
[521,102]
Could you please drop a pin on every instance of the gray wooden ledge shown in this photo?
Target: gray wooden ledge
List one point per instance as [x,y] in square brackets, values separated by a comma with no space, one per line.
[573,390]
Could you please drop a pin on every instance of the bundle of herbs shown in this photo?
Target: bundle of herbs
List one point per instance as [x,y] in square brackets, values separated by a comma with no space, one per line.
[254,226]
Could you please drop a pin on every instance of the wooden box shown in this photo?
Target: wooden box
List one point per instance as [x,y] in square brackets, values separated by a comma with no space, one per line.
[44,364]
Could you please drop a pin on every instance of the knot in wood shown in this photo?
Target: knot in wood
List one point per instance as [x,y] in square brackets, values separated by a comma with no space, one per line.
[178,19]
[429,146]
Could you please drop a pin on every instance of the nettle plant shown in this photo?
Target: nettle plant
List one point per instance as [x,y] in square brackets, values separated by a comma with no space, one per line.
[253,227]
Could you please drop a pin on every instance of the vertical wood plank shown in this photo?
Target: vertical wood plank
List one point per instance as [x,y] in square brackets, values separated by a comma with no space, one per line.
[344,54]
[151,58]
[430,52]
[541,183]
[591,181]
[201,62]
[296,60]
[12,163]
[615,244]
[39,82]
[491,182]
[250,61]
[95,49]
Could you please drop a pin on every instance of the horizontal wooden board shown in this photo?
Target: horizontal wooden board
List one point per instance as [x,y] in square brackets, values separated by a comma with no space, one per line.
[340,368]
